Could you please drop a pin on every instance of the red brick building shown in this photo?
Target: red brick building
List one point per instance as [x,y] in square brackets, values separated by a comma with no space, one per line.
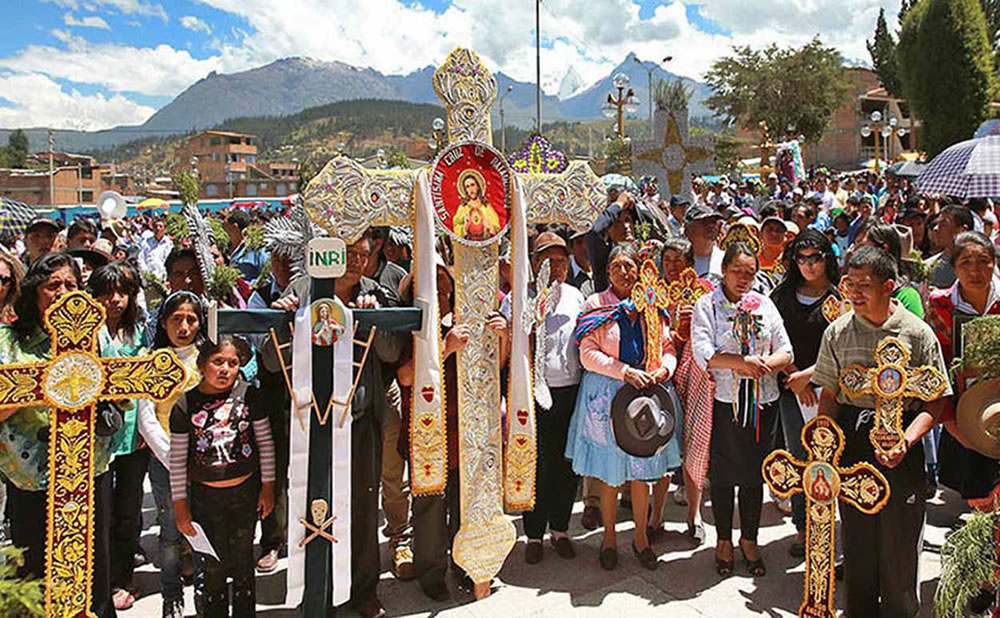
[227,167]
[75,179]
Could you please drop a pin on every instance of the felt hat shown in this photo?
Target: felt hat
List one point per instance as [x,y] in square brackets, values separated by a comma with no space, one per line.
[978,418]
[644,421]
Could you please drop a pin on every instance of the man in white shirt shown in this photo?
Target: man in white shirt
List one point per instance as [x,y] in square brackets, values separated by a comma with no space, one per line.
[701,226]
[154,250]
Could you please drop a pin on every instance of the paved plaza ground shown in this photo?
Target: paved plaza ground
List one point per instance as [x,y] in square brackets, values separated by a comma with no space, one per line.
[685,585]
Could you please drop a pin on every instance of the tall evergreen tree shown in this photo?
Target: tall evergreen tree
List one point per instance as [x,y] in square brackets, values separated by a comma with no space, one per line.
[17,145]
[883,52]
[946,66]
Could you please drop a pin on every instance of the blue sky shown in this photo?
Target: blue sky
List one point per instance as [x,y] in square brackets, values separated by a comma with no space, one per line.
[92,64]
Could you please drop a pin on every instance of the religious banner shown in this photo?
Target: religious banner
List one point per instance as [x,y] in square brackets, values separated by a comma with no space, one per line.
[70,384]
[890,381]
[823,482]
[672,155]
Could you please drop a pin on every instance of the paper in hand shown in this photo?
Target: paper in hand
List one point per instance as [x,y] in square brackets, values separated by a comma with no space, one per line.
[200,543]
[809,412]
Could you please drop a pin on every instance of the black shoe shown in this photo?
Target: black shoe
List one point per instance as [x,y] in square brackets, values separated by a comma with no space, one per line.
[173,608]
[647,557]
[838,572]
[436,591]
[533,552]
[655,534]
[756,567]
[697,532]
[608,558]
[797,550]
[564,547]
[591,518]
[981,602]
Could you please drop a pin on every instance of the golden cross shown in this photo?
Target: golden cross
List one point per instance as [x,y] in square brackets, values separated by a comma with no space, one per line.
[685,292]
[822,481]
[834,307]
[345,199]
[71,383]
[650,297]
[890,381]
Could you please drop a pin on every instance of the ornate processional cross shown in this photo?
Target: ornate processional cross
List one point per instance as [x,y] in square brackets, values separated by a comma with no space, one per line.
[890,381]
[70,384]
[346,199]
[686,291]
[672,155]
[823,482]
[650,297]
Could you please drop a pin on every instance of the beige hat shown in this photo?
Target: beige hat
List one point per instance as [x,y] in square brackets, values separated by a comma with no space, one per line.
[978,418]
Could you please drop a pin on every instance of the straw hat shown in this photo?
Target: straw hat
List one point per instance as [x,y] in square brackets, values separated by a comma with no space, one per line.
[978,417]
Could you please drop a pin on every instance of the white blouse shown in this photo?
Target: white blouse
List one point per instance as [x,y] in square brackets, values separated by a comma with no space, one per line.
[712,333]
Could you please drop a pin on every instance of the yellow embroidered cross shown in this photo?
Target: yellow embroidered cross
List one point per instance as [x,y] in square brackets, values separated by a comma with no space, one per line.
[822,481]
[890,381]
[71,383]
[650,297]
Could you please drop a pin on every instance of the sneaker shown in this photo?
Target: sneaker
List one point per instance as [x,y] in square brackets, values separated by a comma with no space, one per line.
[268,562]
[696,532]
[372,608]
[139,559]
[784,505]
[591,518]
[533,552]
[173,608]
[402,561]
[123,599]
[564,547]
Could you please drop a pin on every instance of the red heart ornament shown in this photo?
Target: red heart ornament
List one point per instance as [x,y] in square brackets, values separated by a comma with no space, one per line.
[521,440]
[428,393]
[427,421]
[522,417]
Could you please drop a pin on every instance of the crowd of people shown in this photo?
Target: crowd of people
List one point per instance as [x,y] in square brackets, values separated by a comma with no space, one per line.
[746,366]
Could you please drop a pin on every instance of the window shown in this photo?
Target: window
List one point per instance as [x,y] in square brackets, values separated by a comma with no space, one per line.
[263,186]
[86,196]
[250,141]
[250,158]
[215,157]
[215,141]
[251,189]
[86,172]
[281,189]
[211,190]
[234,140]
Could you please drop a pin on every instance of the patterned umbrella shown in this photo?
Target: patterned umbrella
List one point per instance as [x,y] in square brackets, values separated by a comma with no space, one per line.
[966,169]
[14,215]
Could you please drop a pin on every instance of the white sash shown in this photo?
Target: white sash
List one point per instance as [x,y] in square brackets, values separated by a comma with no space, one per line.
[343,379]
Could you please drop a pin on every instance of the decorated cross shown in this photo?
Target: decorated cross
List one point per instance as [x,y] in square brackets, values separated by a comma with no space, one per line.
[890,381]
[834,307]
[686,291]
[71,383]
[672,155]
[537,156]
[650,298]
[823,482]
[546,298]
[470,199]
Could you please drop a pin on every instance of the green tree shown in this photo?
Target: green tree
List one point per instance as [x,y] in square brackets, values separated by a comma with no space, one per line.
[784,87]
[186,184]
[882,48]
[946,68]
[17,145]
[672,95]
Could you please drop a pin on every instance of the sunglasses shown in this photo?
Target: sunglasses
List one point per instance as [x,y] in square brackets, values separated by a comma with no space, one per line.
[815,258]
[6,279]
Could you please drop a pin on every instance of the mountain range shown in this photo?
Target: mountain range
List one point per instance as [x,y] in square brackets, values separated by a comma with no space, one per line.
[290,85]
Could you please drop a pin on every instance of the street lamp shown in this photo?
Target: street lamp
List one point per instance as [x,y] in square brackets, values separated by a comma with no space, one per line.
[503,126]
[437,140]
[649,84]
[886,129]
[624,102]
[380,157]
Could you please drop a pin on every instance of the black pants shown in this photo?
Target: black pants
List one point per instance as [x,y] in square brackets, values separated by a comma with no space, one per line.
[366,470]
[126,514]
[435,521]
[555,481]
[229,516]
[751,503]
[28,529]
[273,529]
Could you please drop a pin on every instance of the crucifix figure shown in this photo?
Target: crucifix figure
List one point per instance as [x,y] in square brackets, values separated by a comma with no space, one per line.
[890,381]
[650,298]
[346,199]
[823,482]
[672,155]
[71,383]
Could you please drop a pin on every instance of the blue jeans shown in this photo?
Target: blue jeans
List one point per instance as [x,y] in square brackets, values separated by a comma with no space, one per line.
[170,538]
[791,426]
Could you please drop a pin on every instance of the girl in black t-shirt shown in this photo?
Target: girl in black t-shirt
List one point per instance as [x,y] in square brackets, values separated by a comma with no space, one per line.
[219,439]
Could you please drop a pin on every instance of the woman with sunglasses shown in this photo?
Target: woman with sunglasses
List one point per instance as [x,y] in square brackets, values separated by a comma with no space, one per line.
[811,278]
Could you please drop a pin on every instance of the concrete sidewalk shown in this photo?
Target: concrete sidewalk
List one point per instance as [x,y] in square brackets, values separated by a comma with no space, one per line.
[684,585]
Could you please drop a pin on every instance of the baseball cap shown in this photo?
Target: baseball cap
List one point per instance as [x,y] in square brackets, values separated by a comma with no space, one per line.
[772,219]
[700,212]
[679,199]
[42,220]
[547,240]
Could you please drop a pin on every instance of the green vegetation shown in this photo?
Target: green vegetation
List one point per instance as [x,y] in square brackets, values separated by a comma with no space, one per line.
[882,49]
[18,597]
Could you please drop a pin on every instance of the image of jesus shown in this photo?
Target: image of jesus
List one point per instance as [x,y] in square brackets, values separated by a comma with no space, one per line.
[474,218]
[324,332]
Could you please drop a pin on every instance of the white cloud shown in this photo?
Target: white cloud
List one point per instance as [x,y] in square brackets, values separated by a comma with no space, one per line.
[36,101]
[122,7]
[194,24]
[90,21]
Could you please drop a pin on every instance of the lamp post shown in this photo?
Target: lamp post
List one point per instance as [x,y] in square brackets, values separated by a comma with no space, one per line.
[649,85]
[503,126]
[438,138]
[380,158]
[886,129]
[624,102]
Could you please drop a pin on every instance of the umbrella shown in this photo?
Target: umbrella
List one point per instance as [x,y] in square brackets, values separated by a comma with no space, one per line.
[14,216]
[152,202]
[906,169]
[622,183]
[966,169]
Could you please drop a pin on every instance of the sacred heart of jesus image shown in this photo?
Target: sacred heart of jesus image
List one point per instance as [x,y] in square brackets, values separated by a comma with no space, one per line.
[469,191]
[327,322]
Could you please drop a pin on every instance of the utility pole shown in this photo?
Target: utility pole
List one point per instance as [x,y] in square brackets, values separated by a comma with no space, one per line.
[538,68]
[52,175]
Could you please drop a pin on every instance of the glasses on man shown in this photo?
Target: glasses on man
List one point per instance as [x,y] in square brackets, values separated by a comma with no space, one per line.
[809,260]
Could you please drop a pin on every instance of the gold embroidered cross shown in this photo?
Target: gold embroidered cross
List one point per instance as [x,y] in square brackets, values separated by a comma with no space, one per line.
[71,383]
[822,481]
[890,381]
[650,297]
